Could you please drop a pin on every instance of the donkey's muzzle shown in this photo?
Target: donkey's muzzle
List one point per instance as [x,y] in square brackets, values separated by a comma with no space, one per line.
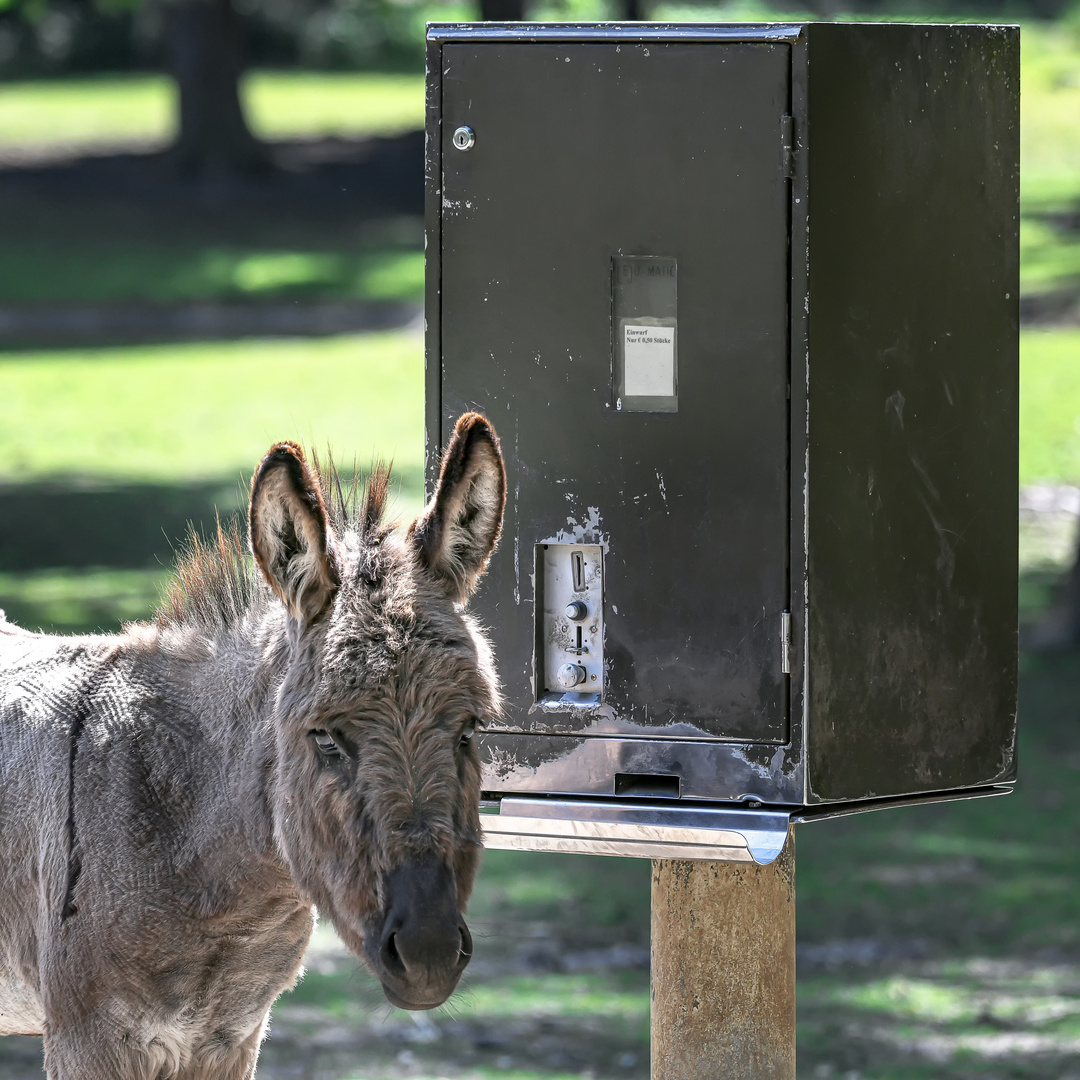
[424,945]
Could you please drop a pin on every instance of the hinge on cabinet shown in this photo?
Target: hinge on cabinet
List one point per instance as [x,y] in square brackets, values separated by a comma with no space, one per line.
[787,144]
[785,642]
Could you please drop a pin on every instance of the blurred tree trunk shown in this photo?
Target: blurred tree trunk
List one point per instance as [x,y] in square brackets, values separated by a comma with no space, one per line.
[502,10]
[206,57]
[633,10]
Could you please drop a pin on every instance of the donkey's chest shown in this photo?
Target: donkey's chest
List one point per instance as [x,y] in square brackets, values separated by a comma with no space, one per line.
[211,988]
[21,1011]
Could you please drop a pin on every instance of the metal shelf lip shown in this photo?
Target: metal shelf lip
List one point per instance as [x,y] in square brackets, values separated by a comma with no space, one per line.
[539,32]
[826,811]
[631,829]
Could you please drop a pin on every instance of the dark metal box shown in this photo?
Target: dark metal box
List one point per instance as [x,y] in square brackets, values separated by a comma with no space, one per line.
[742,303]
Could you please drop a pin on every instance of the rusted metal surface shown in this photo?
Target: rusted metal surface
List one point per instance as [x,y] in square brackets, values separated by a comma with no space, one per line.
[723,969]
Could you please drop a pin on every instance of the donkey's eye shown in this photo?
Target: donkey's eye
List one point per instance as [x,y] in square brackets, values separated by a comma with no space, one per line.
[468,732]
[324,741]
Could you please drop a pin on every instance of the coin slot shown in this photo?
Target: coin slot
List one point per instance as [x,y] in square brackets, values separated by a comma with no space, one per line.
[577,570]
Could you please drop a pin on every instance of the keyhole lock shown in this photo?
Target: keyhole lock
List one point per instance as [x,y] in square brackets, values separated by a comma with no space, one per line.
[570,675]
[464,138]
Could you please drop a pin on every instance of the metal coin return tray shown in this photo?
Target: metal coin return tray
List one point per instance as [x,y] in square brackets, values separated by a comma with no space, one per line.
[630,829]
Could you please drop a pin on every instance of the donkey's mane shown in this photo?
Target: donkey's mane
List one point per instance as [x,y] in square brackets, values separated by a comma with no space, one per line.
[216,583]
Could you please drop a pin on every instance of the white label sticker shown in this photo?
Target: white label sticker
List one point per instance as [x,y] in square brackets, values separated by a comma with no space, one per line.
[648,361]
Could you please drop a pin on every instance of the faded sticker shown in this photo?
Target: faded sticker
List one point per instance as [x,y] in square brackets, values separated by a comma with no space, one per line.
[648,360]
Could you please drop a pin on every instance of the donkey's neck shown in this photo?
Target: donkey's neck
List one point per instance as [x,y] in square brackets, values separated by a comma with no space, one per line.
[224,682]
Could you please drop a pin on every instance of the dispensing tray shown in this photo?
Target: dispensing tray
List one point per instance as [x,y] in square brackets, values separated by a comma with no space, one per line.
[717,833]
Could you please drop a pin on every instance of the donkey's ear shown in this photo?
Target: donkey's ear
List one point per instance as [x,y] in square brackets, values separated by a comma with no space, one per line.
[291,537]
[459,528]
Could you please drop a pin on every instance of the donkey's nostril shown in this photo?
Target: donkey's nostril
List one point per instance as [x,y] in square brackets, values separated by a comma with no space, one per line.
[391,957]
[466,947]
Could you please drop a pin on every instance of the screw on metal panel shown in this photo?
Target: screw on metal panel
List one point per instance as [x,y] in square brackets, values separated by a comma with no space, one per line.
[464,138]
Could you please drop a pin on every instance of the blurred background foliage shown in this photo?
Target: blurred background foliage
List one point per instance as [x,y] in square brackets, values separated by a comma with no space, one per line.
[52,37]
[163,321]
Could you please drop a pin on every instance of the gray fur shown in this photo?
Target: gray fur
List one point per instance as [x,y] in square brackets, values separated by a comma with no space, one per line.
[168,822]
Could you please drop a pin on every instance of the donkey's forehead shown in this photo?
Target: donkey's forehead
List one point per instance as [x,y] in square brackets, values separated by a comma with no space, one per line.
[384,586]
[386,598]
[392,637]
[421,680]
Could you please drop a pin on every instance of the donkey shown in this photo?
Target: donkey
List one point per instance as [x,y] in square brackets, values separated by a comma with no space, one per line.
[176,801]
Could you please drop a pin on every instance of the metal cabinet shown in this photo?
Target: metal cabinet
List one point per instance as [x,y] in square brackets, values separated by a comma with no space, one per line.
[742,304]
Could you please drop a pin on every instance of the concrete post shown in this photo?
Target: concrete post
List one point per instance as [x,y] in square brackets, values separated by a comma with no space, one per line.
[723,969]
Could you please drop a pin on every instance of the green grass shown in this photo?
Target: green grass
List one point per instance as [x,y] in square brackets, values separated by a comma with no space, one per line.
[59,601]
[284,104]
[976,902]
[142,108]
[174,414]
[495,1072]
[1050,159]
[195,411]
[1049,114]
[598,893]
[1050,406]
[962,1019]
[87,110]
[619,994]
[474,1074]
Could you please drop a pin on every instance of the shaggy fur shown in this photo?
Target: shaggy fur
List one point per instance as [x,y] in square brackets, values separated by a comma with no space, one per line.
[176,799]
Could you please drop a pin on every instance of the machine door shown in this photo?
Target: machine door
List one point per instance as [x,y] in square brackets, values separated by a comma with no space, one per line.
[614,296]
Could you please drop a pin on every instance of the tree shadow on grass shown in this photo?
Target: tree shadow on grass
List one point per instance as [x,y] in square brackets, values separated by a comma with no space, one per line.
[53,524]
[376,175]
[116,248]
